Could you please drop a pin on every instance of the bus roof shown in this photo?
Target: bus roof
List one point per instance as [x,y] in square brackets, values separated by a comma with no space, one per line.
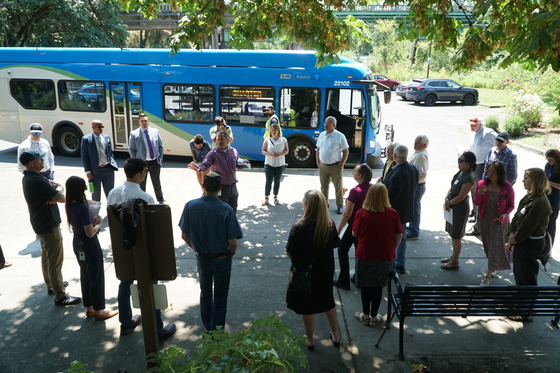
[185,57]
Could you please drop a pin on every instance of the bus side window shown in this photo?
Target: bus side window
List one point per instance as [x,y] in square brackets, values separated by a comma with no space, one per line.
[182,102]
[297,106]
[245,104]
[34,93]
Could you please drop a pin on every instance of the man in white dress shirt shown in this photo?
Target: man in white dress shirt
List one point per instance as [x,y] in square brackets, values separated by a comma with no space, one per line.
[35,143]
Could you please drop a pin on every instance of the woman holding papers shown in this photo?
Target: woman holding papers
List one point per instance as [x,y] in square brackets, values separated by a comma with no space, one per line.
[458,203]
[87,249]
[496,199]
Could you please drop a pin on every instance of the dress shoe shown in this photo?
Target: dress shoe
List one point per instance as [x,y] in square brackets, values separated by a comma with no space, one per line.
[5,265]
[104,314]
[400,270]
[167,332]
[51,291]
[90,312]
[336,344]
[128,328]
[341,286]
[67,301]
[339,210]
[473,232]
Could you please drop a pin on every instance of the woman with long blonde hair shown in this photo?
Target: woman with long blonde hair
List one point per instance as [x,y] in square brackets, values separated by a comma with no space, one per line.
[311,242]
[379,232]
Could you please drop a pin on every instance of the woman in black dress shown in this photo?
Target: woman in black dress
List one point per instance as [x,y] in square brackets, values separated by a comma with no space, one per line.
[457,201]
[315,232]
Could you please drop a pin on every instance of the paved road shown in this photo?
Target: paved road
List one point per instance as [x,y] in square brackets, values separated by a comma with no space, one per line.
[37,337]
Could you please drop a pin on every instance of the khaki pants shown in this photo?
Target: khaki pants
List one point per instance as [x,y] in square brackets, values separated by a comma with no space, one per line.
[334,173]
[51,260]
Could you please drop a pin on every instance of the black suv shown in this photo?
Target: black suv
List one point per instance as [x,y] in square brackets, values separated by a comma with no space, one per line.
[431,90]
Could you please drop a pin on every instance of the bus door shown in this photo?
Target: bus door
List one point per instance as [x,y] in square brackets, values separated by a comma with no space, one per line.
[348,106]
[126,104]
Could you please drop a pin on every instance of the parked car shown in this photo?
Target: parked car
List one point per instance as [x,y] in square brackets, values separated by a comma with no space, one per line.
[392,84]
[402,88]
[431,90]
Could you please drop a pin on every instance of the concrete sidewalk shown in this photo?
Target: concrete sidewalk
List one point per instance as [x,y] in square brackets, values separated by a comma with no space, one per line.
[36,336]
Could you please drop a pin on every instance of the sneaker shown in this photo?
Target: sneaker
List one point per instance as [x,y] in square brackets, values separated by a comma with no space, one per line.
[5,265]
[376,320]
[339,210]
[411,238]
[51,291]
[67,301]
[128,328]
[363,318]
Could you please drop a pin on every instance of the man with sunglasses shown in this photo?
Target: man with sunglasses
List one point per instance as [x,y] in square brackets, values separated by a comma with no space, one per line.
[97,158]
[37,144]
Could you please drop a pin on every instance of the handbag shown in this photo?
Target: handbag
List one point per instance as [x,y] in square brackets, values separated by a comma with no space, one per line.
[299,282]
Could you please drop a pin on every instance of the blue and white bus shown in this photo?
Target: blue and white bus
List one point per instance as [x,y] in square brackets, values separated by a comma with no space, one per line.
[64,89]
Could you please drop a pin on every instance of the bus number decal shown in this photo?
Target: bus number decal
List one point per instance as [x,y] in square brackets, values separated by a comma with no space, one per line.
[285,76]
[339,83]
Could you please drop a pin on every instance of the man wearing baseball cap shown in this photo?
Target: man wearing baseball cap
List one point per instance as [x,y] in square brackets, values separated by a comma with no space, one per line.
[42,196]
[482,141]
[502,153]
[35,143]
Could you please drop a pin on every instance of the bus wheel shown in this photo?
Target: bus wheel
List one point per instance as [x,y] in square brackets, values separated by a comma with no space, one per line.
[301,153]
[68,140]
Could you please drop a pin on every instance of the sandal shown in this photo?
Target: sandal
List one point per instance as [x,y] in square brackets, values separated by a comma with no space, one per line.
[336,344]
[450,266]
[521,318]
[363,318]
[276,202]
[485,281]
[265,202]
[310,346]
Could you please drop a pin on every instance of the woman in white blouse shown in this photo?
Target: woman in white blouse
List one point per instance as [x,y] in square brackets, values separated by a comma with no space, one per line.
[274,149]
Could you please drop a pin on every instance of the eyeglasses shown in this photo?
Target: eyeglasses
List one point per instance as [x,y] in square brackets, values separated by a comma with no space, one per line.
[461,161]
[98,126]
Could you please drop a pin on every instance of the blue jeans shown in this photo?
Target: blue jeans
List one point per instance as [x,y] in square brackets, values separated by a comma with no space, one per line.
[272,174]
[214,274]
[414,225]
[125,309]
[400,260]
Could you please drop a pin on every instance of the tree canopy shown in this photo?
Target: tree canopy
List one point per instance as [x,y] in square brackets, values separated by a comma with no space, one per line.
[62,23]
[529,30]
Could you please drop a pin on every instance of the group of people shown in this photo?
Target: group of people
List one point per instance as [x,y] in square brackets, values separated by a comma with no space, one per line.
[377,219]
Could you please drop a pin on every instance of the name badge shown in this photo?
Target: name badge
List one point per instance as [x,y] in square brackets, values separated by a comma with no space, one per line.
[523,211]
[456,182]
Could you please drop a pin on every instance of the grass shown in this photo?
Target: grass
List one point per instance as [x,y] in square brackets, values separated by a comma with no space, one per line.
[493,97]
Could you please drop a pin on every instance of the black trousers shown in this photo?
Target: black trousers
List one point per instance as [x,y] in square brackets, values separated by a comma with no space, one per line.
[525,265]
[154,169]
[344,246]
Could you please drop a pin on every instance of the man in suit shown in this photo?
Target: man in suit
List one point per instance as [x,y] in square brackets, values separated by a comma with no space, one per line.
[98,161]
[145,143]
[401,184]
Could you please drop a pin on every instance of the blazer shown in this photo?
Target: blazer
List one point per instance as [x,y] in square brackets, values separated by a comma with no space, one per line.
[137,146]
[90,157]
[401,184]
[506,200]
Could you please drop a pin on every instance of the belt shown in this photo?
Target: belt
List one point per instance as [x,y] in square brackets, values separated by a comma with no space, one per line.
[212,255]
[332,164]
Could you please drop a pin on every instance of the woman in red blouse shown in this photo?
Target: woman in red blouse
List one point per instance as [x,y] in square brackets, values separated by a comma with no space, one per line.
[379,232]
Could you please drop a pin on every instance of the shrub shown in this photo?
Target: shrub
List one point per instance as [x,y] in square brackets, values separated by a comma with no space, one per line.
[514,125]
[268,345]
[529,106]
[493,122]
[554,122]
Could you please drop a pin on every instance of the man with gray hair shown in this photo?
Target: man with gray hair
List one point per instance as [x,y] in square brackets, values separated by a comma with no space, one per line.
[420,160]
[331,155]
[401,184]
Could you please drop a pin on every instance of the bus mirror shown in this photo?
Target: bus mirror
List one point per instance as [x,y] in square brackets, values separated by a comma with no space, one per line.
[387,96]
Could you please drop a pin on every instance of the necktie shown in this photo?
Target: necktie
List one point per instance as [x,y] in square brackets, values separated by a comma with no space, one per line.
[101,151]
[150,146]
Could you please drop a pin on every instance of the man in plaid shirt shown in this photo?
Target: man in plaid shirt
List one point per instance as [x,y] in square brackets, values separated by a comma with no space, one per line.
[502,153]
